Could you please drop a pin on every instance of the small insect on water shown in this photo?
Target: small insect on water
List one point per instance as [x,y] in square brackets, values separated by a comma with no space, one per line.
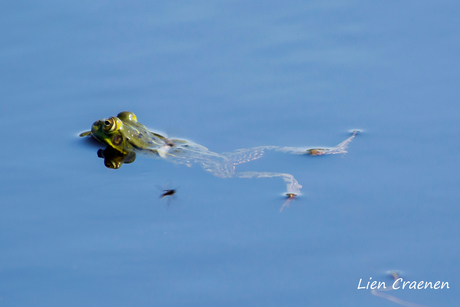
[167,193]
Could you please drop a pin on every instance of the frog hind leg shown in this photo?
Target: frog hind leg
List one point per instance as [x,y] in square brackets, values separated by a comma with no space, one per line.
[339,149]
[292,186]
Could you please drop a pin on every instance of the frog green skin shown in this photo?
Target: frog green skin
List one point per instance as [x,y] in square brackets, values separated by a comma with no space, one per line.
[126,135]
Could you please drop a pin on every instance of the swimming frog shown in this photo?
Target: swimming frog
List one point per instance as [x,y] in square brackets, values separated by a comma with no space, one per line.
[125,136]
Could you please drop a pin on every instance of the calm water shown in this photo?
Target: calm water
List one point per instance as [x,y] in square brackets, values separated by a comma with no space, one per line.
[228,75]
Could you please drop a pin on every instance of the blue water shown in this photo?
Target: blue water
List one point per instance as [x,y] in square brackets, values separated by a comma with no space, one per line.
[229,75]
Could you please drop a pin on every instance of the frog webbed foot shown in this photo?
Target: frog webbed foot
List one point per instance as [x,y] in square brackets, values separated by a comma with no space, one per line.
[316,151]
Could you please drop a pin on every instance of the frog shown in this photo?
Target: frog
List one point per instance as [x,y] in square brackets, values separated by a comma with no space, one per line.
[125,136]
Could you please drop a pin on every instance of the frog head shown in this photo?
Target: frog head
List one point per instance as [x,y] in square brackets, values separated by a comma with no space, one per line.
[121,132]
[109,131]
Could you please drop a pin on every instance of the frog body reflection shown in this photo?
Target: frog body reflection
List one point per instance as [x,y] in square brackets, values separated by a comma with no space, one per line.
[125,136]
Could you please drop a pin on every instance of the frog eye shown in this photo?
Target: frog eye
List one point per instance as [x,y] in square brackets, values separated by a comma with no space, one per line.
[110,125]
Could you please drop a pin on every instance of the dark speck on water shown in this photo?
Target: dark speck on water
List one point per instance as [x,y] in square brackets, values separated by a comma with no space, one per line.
[167,193]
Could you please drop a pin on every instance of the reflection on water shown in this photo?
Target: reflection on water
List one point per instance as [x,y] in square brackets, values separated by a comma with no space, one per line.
[114,158]
[289,197]
[124,135]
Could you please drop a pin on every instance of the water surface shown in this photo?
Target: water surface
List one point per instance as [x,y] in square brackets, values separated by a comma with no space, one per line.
[229,75]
